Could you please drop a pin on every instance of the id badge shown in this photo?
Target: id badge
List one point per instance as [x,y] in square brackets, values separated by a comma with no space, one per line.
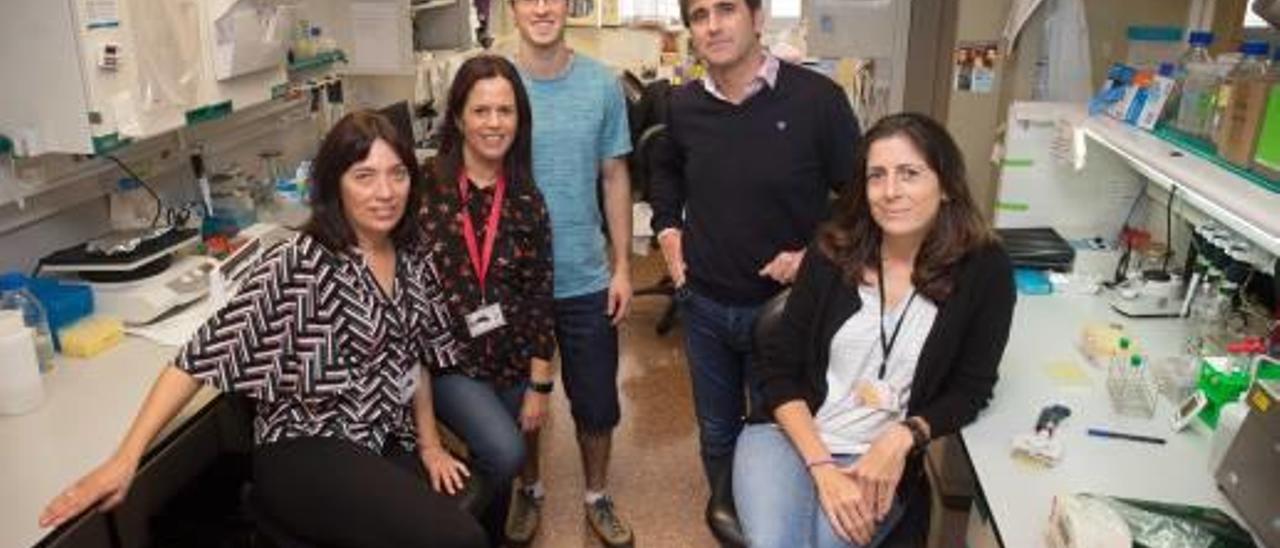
[876,394]
[409,383]
[485,319]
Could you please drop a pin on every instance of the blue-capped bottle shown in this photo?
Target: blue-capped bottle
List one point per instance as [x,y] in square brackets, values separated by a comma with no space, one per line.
[1192,85]
[14,295]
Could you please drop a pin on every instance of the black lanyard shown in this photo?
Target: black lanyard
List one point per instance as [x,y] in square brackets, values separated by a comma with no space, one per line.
[887,346]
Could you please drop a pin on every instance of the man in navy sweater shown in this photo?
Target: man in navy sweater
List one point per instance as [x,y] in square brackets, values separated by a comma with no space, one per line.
[752,154]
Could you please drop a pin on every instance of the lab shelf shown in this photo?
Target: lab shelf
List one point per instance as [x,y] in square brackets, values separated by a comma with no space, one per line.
[318,61]
[1224,195]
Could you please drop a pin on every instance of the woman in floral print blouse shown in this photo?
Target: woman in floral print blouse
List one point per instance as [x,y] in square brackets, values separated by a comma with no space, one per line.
[490,236]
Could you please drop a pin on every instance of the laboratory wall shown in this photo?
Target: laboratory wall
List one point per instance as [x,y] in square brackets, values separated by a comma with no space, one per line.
[971,116]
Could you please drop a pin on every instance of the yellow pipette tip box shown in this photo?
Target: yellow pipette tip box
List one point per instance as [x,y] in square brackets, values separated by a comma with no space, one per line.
[89,337]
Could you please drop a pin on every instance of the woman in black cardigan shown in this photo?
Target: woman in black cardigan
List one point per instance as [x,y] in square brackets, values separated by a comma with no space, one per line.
[891,337]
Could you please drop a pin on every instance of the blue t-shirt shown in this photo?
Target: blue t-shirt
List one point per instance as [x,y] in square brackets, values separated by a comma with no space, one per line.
[579,120]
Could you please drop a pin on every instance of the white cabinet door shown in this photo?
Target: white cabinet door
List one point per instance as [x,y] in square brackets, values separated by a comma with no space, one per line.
[45,105]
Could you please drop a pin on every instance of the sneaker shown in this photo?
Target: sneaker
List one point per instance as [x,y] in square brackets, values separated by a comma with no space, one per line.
[607,524]
[523,517]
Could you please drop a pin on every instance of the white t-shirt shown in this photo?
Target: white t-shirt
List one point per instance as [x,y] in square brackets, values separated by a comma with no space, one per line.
[846,426]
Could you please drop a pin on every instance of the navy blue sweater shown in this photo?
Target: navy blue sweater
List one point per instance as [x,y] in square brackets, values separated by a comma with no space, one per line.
[744,182]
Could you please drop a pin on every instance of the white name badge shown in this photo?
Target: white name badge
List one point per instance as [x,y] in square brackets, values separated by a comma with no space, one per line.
[875,394]
[409,384]
[485,319]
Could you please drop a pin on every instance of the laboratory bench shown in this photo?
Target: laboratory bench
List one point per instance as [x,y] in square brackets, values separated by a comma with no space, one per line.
[1043,365]
[88,406]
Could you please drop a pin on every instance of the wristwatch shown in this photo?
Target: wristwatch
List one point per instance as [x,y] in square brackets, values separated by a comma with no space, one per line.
[918,438]
[542,387]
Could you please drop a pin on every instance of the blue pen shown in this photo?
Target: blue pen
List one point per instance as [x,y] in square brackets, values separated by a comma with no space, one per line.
[1101,433]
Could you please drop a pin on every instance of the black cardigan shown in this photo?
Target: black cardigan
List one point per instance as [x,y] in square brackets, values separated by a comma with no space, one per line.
[957,368]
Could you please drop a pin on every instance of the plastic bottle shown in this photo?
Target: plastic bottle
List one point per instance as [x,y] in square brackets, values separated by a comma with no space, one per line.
[1240,102]
[15,296]
[21,388]
[1198,54]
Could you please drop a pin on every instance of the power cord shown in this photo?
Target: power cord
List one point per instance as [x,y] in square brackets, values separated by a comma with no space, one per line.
[1168,229]
[159,204]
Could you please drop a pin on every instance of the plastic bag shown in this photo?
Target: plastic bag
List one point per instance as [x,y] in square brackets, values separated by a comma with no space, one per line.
[1164,525]
[168,53]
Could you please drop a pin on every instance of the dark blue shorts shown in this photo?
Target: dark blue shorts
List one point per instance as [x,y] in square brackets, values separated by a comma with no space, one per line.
[589,360]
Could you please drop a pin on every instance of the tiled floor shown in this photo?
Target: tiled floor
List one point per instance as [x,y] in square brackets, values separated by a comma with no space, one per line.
[656,479]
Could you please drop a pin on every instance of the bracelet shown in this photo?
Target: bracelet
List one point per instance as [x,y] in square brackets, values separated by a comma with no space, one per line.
[811,464]
[918,438]
[542,387]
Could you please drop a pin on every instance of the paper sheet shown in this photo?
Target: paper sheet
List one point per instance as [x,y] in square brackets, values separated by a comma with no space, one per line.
[377,28]
[175,330]
[102,13]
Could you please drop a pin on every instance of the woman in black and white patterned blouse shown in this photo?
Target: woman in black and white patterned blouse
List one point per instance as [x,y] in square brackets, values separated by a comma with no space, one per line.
[330,336]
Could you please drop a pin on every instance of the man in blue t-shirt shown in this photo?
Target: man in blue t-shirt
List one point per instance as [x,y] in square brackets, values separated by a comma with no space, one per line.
[580,137]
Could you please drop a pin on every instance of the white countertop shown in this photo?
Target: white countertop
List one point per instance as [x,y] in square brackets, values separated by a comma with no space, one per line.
[88,406]
[1045,331]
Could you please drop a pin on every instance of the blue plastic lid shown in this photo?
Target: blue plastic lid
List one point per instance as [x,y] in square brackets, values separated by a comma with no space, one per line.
[1155,34]
[1255,48]
[1200,38]
[1166,69]
[12,280]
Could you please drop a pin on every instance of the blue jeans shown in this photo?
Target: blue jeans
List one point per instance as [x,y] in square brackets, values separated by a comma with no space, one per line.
[589,360]
[719,341]
[775,497]
[485,418]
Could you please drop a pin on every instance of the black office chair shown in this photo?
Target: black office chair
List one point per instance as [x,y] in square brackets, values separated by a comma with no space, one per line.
[722,518]
[646,114]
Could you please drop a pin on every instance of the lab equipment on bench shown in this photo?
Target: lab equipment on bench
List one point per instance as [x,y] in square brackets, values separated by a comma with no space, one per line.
[21,386]
[91,336]
[146,299]
[1042,446]
[14,295]
[1041,248]
[134,276]
[1129,383]
[1250,471]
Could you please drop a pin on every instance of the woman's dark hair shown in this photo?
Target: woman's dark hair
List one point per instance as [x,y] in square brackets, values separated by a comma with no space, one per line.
[851,239]
[346,144]
[518,164]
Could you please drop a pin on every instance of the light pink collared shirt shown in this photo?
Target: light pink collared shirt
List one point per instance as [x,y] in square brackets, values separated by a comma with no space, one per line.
[766,75]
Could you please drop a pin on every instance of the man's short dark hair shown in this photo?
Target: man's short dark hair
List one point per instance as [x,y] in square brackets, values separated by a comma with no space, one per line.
[753,5]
